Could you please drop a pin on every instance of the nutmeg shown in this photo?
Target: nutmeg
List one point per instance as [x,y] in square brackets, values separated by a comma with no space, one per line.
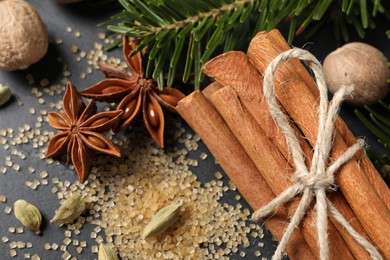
[361,65]
[23,36]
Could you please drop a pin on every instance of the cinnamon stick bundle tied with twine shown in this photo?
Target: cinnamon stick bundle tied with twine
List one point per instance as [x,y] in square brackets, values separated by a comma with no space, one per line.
[263,141]
[312,182]
[358,181]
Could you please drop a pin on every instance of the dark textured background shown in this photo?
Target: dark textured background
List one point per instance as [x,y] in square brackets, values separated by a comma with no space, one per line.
[80,18]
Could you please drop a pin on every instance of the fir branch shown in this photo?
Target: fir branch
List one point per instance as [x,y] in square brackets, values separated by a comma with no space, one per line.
[195,31]
[375,118]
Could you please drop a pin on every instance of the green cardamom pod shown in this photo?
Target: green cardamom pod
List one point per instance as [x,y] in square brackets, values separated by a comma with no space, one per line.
[106,253]
[5,94]
[28,215]
[162,220]
[70,210]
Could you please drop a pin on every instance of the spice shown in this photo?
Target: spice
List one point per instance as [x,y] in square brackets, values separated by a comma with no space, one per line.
[361,65]
[5,94]
[357,189]
[70,210]
[215,133]
[164,218]
[106,253]
[144,176]
[23,36]
[251,98]
[80,128]
[28,215]
[135,93]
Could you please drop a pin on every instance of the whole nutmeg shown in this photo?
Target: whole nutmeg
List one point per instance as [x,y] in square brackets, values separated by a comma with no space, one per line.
[361,65]
[23,35]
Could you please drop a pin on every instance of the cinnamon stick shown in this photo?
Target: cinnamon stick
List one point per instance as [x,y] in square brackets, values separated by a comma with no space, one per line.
[365,163]
[210,126]
[301,105]
[233,69]
[272,165]
[247,83]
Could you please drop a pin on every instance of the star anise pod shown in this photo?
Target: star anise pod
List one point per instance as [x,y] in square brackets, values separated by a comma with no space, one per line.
[135,93]
[80,129]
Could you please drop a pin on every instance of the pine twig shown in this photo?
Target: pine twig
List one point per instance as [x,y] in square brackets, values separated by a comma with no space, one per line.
[189,33]
[378,122]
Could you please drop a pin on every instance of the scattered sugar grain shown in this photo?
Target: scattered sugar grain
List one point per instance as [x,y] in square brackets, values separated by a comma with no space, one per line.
[7,210]
[203,156]
[12,245]
[101,36]
[94,249]
[19,230]
[43,174]
[21,244]
[16,167]
[67,241]
[54,246]
[66,255]
[218,175]
[41,101]
[13,253]
[47,246]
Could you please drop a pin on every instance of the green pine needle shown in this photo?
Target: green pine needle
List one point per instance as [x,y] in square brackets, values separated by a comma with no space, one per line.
[376,119]
[187,33]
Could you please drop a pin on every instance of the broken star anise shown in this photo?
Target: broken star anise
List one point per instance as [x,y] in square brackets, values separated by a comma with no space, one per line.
[80,129]
[133,91]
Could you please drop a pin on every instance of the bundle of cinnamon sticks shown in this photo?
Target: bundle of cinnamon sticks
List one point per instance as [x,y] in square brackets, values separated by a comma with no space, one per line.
[232,118]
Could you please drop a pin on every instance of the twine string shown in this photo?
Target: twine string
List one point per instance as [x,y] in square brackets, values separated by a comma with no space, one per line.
[311,183]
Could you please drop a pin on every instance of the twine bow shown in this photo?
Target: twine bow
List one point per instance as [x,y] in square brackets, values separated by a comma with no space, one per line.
[313,182]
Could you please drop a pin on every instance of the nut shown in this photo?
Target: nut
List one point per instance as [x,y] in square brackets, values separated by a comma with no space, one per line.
[23,36]
[361,65]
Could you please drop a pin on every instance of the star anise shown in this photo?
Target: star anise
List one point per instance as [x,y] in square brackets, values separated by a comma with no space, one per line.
[134,91]
[80,129]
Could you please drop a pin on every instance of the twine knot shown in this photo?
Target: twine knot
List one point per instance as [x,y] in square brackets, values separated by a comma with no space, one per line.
[312,182]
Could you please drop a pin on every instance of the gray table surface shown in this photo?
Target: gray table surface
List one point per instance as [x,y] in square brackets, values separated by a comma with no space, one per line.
[57,18]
